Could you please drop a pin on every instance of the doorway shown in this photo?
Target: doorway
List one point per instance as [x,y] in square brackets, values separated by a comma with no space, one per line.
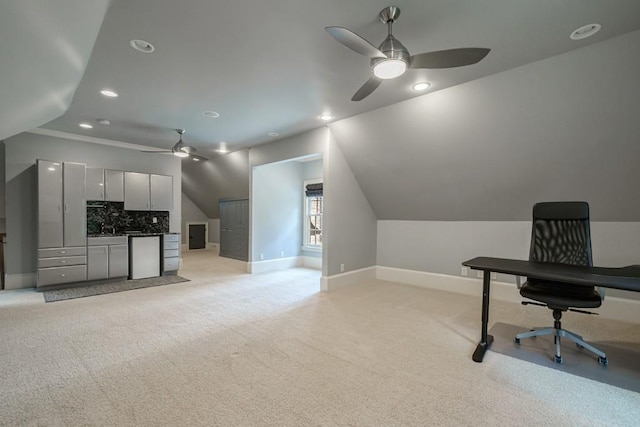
[197,233]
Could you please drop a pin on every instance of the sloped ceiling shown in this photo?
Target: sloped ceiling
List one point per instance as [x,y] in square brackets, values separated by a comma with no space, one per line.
[44,49]
[565,128]
[270,65]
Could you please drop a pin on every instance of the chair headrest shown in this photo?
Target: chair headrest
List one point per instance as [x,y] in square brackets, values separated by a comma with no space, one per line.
[561,210]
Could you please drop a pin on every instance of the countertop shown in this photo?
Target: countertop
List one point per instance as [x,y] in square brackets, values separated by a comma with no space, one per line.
[136,234]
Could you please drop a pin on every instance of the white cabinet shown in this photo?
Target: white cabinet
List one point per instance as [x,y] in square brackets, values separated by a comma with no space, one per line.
[50,226]
[118,261]
[143,192]
[75,206]
[97,262]
[95,184]
[114,186]
[108,257]
[136,191]
[161,190]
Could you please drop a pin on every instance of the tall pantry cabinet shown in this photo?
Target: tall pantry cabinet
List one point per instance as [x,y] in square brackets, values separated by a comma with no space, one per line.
[62,221]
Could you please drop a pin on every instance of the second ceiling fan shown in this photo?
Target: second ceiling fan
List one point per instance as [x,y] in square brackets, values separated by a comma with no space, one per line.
[391,59]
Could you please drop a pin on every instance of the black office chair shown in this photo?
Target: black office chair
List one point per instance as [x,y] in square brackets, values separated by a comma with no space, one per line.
[561,234]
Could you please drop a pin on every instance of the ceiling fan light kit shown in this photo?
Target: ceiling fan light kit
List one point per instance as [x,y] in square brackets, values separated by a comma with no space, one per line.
[391,59]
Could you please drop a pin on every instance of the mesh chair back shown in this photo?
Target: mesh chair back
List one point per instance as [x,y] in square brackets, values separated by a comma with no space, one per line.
[561,233]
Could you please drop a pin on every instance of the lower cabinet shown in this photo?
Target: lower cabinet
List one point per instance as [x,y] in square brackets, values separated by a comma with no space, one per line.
[57,266]
[107,257]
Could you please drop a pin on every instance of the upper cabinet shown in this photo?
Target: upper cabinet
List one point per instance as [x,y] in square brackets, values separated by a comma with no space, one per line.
[95,184]
[161,191]
[62,214]
[114,186]
[143,192]
[136,191]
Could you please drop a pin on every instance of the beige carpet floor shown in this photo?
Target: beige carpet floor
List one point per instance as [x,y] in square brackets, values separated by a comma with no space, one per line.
[232,349]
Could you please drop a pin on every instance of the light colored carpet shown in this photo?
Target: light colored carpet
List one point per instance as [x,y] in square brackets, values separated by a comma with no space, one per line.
[109,288]
[232,349]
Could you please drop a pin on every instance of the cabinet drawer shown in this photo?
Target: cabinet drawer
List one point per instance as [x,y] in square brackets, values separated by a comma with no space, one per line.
[171,245]
[171,264]
[171,253]
[62,261]
[59,275]
[110,240]
[171,237]
[62,252]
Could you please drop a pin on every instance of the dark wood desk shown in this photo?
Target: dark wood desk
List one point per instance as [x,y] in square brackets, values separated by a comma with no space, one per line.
[625,278]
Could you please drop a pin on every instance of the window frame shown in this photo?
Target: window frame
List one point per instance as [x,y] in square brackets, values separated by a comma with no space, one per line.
[306,245]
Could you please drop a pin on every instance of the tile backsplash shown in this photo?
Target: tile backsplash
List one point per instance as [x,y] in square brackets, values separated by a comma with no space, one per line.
[110,217]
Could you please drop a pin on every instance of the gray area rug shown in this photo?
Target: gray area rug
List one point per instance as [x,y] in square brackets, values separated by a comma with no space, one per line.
[108,288]
[622,371]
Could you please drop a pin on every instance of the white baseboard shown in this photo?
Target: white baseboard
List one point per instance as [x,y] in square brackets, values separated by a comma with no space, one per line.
[331,283]
[311,262]
[19,281]
[612,308]
[269,265]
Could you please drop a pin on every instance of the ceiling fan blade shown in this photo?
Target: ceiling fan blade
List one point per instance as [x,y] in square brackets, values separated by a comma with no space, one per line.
[198,158]
[158,152]
[366,89]
[354,42]
[448,58]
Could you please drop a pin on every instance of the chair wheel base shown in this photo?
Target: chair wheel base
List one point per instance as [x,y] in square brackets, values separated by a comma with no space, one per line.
[516,340]
[603,361]
[557,359]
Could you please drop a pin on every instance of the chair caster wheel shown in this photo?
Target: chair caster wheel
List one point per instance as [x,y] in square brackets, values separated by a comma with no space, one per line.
[603,361]
[516,340]
[557,359]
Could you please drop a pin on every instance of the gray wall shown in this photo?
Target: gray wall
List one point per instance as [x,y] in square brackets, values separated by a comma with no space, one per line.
[21,184]
[441,246]
[564,128]
[191,213]
[3,214]
[350,224]
[205,183]
[276,201]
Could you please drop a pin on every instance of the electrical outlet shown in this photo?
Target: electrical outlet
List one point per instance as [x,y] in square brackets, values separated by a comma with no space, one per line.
[464,271]
[341,268]
[155,220]
[261,257]
[281,254]
[480,274]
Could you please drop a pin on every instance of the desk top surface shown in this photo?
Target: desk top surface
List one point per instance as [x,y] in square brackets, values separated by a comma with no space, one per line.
[626,278]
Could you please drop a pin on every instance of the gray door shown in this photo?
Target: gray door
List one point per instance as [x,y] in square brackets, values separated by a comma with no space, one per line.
[197,238]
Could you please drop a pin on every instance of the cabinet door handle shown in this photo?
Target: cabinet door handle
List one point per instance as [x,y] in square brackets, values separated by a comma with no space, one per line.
[63,252]
[63,262]
[62,275]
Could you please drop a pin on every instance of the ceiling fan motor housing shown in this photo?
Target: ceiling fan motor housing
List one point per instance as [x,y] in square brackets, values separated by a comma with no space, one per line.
[392,47]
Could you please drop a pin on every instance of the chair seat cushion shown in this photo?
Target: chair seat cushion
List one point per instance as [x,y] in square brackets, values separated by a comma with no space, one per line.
[558,295]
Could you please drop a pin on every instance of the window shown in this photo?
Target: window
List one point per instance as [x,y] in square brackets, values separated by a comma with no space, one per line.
[313,215]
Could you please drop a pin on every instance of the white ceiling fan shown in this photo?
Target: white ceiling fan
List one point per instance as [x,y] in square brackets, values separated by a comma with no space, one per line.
[391,59]
[182,150]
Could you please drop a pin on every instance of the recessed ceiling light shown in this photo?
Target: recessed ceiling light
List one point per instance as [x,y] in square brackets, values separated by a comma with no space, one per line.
[86,125]
[585,31]
[142,46]
[211,114]
[326,117]
[273,134]
[109,93]
[104,122]
[421,86]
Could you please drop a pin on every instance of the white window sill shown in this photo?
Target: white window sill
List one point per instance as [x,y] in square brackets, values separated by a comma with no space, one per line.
[312,249]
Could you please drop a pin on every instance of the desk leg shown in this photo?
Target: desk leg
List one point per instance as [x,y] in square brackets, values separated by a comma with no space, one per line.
[486,339]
